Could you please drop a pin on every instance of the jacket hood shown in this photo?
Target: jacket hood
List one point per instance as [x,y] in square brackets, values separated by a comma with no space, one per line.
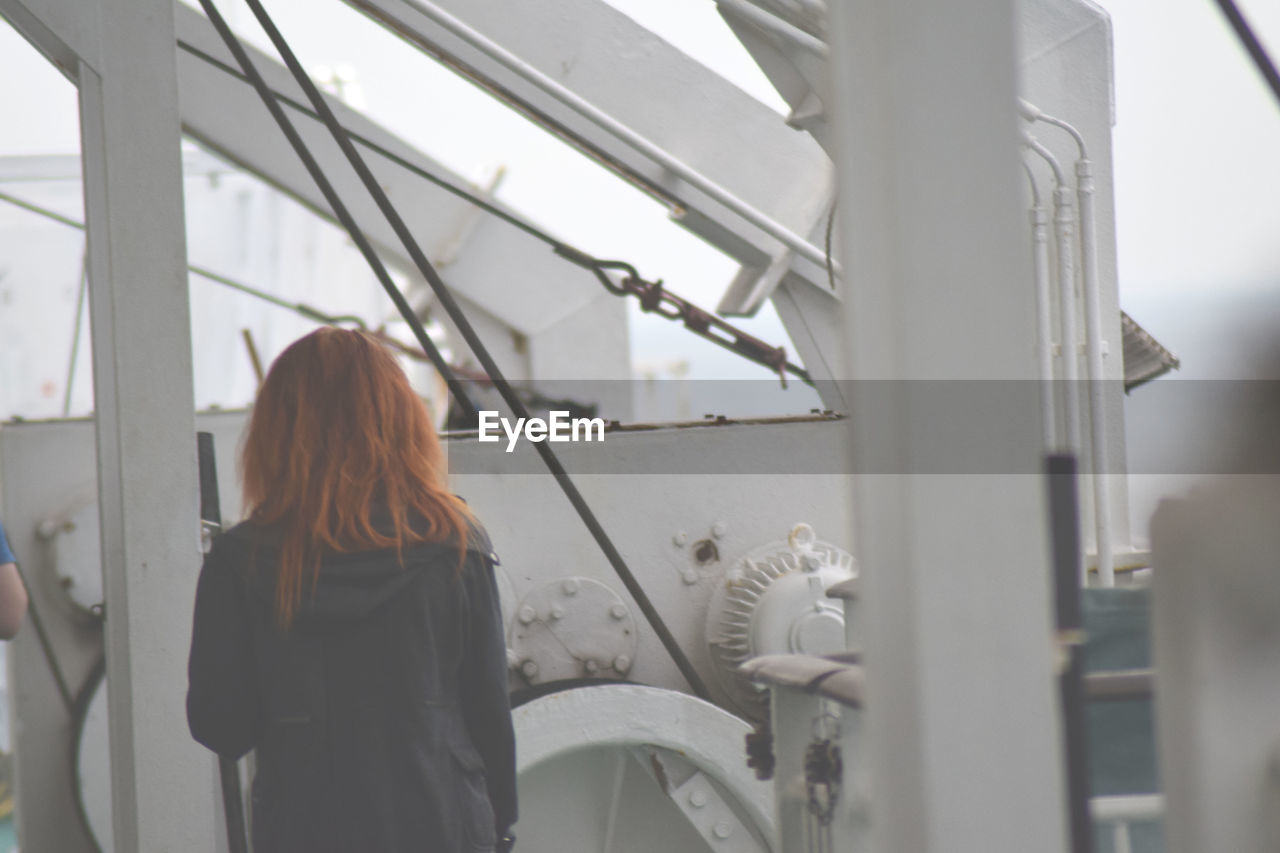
[350,586]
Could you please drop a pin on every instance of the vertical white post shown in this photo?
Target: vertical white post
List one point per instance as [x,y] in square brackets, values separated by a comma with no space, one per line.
[162,795]
[1217,656]
[961,720]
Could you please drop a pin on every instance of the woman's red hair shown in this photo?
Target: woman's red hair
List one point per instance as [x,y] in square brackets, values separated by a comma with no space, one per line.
[338,441]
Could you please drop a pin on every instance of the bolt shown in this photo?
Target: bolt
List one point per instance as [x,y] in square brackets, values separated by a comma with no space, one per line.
[722,830]
[591,667]
[529,668]
[690,576]
[570,587]
[527,614]
[622,663]
[698,799]
[680,538]
[618,611]
[706,552]
[557,612]
[718,530]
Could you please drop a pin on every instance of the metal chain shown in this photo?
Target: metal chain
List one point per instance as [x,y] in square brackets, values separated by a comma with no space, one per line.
[823,775]
[655,299]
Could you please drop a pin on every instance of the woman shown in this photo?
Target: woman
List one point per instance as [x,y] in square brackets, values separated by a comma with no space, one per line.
[13,594]
[349,630]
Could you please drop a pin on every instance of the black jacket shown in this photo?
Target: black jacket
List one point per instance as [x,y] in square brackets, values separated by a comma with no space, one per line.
[380,719]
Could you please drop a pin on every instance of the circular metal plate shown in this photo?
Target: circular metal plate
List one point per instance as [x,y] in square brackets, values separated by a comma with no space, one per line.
[633,769]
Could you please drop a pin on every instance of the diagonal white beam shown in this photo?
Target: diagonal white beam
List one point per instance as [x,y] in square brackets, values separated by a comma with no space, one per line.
[65,31]
[650,113]
[225,114]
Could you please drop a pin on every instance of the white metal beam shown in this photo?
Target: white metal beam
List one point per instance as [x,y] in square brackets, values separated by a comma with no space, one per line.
[1217,655]
[961,719]
[65,31]
[163,796]
[647,111]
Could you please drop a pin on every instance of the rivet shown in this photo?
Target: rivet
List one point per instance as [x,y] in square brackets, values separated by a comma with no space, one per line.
[557,612]
[569,587]
[680,538]
[722,830]
[718,530]
[527,614]
[698,799]
[618,611]
[622,663]
[690,576]
[591,667]
[529,668]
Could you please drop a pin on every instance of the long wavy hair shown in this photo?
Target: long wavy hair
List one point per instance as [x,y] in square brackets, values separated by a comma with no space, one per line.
[341,456]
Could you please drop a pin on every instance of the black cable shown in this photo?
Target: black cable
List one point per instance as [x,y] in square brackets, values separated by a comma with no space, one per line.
[449,187]
[1064,529]
[299,307]
[1256,51]
[447,302]
[79,716]
[340,211]
[46,646]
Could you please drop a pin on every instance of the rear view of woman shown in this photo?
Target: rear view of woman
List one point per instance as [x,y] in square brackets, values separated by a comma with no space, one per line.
[349,630]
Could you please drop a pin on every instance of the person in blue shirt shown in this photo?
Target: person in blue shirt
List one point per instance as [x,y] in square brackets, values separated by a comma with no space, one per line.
[13,595]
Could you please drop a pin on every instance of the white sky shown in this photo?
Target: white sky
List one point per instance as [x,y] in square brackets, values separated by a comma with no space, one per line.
[1197,153]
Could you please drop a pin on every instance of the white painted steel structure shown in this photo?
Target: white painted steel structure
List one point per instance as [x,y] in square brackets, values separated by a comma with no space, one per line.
[931,233]
[120,54]
[714,799]
[1064,66]
[668,511]
[1217,656]
[936,285]
[561,66]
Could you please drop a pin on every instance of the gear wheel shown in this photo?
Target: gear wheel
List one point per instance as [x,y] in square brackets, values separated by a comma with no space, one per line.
[773,601]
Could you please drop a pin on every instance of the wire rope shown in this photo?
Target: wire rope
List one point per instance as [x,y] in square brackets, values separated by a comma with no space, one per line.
[447,302]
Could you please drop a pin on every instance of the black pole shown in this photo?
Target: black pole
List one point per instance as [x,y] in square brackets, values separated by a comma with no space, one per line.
[228,768]
[1064,528]
[1256,51]
[445,298]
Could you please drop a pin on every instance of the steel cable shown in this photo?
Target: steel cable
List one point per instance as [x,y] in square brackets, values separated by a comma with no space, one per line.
[447,302]
[1252,45]
[340,211]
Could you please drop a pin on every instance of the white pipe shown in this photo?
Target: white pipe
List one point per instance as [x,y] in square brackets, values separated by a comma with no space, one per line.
[1097,375]
[1064,229]
[1127,808]
[1121,841]
[1093,349]
[584,108]
[1044,331]
[776,26]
